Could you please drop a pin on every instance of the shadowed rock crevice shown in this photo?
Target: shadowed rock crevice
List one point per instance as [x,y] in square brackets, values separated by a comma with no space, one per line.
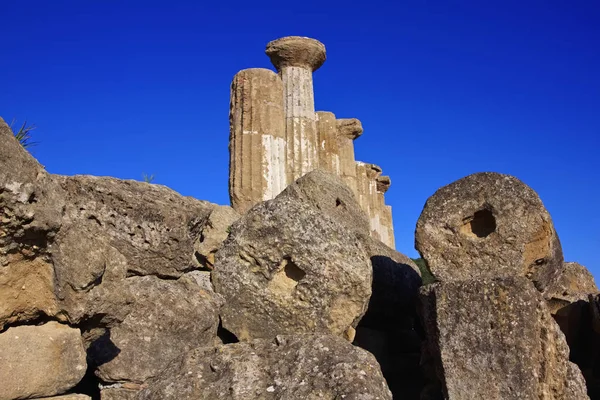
[481,224]
[293,272]
[226,336]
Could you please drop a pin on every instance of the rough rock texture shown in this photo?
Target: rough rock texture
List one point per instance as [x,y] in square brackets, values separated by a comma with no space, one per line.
[288,267]
[292,367]
[167,319]
[152,226]
[296,58]
[257,144]
[214,232]
[329,194]
[70,397]
[114,257]
[39,361]
[572,283]
[119,392]
[29,219]
[488,225]
[496,339]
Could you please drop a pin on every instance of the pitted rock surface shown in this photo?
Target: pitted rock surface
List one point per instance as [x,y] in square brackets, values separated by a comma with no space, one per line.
[501,326]
[488,225]
[329,194]
[40,361]
[573,283]
[289,268]
[311,367]
[166,319]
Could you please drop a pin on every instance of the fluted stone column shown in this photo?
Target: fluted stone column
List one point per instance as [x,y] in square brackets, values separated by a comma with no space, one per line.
[385,212]
[366,187]
[296,58]
[257,161]
[371,187]
[328,143]
[348,130]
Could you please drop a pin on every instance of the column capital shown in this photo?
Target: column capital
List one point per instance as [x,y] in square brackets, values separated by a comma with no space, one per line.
[349,127]
[383,183]
[296,51]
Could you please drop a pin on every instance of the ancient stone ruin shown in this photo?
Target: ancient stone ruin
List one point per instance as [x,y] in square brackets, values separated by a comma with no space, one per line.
[276,137]
[123,290]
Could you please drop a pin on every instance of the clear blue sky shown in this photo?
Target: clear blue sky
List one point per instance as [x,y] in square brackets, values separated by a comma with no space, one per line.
[443,89]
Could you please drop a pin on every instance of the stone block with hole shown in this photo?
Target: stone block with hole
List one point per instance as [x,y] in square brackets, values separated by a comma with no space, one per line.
[287,267]
[488,225]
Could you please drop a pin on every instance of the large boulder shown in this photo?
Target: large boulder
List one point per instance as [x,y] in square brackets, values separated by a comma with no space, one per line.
[288,268]
[496,339]
[488,225]
[40,361]
[290,367]
[167,318]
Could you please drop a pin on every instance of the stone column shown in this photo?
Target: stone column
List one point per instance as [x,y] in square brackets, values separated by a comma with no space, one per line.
[296,58]
[385,212]
[348,130]
[257,167]
[371,187]
[366,188]
[328,144]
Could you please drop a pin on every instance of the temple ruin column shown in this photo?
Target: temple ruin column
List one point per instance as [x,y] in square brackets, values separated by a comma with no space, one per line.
[296,58]
[257,161]
[348,130]
[328,143]
[371,187]
[385,212]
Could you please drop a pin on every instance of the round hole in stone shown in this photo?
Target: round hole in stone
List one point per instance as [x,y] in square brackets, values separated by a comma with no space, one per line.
[482,224]
[293,272]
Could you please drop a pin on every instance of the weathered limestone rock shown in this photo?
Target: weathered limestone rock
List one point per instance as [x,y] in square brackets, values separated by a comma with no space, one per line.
[257,142]
[288,267]
[26,290]
[39,361]
[29,219]
[488,225]
[296,58]
[496,339]
[329,194]
[307,367]
[114,229]
[348,130]
[167,319]
[74,396]
[119,393]
[214,232]
[572,283]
